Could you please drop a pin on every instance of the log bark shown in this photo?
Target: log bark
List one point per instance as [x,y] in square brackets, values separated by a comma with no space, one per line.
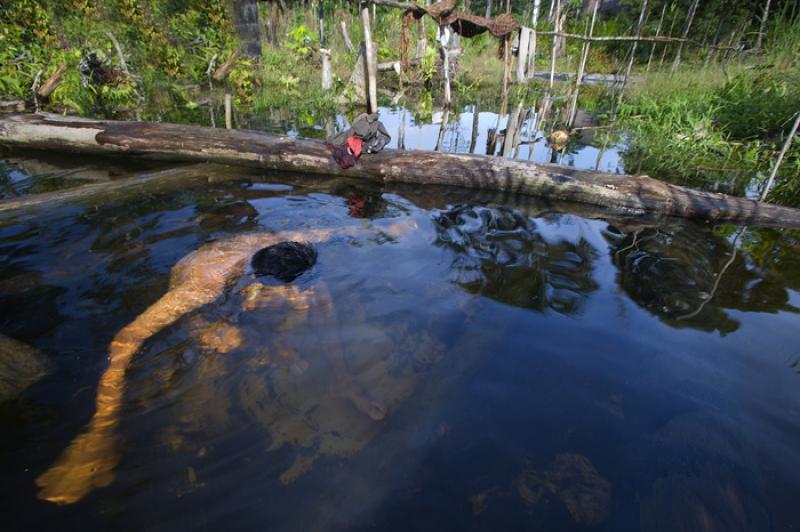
[622,193]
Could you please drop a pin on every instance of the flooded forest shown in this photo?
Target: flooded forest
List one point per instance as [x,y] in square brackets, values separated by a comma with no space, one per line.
[400,265]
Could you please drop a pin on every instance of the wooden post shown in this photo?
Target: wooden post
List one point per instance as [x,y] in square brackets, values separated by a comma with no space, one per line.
[633,49]
[228,110]
[522,56]
[506,73]
[321,16]
[371,62]
[658,33]
[532,43]
[763,27]
[442,129]
[686,28]
[555,44]
[347,42]
[401,131]
[444,38]
[35,89]
[582,67]
[327,75]
[786,147]
[473,141]
[511,131]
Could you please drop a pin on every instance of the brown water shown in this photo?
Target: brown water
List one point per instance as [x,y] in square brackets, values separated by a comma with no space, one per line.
[541,367]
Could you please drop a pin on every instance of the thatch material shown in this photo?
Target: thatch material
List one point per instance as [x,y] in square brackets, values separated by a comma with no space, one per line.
[464,24]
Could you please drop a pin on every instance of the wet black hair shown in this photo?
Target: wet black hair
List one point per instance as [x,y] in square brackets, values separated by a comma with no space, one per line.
[285,261]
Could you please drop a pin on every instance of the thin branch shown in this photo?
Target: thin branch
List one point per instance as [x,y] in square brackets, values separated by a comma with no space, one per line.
[122,65]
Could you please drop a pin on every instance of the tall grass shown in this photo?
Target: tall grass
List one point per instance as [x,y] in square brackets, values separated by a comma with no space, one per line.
[720,127]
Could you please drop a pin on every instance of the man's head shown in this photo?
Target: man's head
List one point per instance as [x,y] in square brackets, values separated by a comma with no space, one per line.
[285,261]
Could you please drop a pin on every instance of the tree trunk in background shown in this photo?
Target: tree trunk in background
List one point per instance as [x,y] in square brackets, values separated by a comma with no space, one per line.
[245,18]
[763,26]
[488,8]
[590,5]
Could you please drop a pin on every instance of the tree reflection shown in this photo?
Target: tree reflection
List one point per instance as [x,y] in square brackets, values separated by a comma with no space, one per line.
[690,276]
[501,254]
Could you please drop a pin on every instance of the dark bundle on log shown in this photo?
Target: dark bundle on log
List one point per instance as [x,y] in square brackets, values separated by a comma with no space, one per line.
[468,25]
[626,194]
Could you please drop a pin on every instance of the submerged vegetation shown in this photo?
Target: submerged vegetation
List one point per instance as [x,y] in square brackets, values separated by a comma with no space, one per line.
[715,121]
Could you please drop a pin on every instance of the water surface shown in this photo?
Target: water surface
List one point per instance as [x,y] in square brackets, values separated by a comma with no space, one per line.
[543,367]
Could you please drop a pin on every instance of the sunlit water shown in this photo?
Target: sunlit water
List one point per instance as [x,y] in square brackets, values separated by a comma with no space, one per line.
[542,368]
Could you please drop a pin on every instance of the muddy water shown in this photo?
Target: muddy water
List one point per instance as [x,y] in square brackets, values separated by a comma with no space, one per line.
[541,367]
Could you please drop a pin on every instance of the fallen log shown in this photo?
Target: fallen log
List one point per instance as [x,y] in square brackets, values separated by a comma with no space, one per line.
[623,193]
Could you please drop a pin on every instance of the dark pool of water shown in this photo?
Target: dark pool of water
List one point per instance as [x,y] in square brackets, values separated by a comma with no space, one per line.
[542,368]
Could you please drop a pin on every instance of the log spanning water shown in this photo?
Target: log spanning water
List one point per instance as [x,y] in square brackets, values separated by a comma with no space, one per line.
[622,193]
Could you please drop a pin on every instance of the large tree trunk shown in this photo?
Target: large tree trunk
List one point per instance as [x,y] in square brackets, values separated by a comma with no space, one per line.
[245,16]
[629,194]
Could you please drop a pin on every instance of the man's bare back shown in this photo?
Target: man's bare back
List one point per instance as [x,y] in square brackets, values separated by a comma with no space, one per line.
[196,280]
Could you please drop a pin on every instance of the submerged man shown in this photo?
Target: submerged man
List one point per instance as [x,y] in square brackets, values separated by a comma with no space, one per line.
[196,280]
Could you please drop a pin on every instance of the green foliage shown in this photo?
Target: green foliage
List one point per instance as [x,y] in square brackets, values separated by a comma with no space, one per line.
[758,102]
[300,40]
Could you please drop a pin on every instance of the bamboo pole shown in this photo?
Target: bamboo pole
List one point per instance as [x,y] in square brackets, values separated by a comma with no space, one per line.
[671,29]
[370,61]
[228,110]
[762,28]
[444,39]
[511,132]
[347,42]
[522,54]
[786,147]
[615,38]
[401,131]
[532,43]
[555,43]
[658,34]
[686,28]
[582,67]
[506,73]
[473,141]
[442,129]
[714,42]
[321,23]
[35,89]
[327,75]
[633,50]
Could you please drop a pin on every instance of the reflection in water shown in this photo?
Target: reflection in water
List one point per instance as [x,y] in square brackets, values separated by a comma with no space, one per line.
[690,277]
[501,255]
